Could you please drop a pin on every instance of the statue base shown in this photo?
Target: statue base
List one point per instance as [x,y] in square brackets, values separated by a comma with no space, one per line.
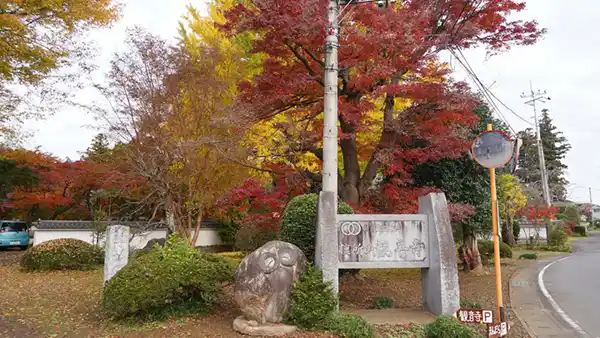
[253,328]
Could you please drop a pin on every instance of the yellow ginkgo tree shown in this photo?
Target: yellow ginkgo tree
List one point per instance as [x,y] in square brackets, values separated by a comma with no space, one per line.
[511,199]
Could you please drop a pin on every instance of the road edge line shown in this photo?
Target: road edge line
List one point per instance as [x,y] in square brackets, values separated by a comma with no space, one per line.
[554,304]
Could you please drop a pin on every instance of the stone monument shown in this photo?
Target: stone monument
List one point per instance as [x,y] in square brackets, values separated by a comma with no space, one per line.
[116,249]
[422,240]
[263,285]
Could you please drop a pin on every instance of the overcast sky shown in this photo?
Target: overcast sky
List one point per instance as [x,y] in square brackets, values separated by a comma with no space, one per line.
[562,64]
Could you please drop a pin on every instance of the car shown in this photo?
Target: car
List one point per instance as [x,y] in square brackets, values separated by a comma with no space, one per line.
[14,234]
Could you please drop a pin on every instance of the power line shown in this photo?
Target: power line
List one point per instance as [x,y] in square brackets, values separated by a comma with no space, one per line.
[483,90]
[486,90]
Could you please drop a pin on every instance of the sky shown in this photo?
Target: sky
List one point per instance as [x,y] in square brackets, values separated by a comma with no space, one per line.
[561,64]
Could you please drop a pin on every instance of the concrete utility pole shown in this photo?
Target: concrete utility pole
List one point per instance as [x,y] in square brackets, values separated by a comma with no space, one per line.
[533,98]
[330,105]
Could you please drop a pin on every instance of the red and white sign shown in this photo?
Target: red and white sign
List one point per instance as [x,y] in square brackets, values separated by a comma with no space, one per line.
[479,316]
[497,330]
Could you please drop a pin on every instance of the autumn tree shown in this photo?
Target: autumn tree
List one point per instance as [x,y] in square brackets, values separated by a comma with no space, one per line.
[62,190]
[168,106]
[465,183]
[511,199]
[390,82]
[38,37]
[556,146]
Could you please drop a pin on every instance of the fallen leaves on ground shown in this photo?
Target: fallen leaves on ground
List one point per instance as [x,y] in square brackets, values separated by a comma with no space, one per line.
[67,304]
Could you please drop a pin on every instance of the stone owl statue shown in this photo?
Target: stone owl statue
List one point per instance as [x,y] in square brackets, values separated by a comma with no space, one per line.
[264,281]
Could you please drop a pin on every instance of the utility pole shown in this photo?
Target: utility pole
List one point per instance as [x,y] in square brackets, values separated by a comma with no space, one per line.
[533,98]
[330,105]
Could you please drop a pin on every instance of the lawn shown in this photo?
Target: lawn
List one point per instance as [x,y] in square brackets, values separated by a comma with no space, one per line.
[66,304]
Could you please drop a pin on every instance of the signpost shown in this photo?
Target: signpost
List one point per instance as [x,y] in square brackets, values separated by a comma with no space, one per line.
[475,316]
[494,149]
[497,330]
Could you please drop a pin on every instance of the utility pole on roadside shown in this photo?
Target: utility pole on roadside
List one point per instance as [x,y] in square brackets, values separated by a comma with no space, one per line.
[534,97]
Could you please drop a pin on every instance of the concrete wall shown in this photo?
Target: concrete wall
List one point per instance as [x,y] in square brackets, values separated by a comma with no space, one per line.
[207,236]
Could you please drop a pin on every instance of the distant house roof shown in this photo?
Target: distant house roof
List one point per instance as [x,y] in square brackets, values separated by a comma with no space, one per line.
[89,225]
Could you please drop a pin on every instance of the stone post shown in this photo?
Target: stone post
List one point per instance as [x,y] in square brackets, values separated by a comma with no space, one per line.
[116,250]
[326,246]
[441,291]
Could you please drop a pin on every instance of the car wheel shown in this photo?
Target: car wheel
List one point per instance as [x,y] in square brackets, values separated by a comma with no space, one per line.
[24,247]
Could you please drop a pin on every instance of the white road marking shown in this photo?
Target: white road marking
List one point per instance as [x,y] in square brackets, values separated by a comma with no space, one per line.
[557,308]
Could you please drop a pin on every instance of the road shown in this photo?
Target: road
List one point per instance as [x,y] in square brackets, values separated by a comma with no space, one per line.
[574,284]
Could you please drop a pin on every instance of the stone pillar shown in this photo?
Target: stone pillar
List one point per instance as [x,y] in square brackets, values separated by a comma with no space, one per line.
[116,249]
[441,291]
[326,246]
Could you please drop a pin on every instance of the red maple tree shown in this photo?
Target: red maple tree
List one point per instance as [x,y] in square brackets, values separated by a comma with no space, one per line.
[385,54]
[65,189]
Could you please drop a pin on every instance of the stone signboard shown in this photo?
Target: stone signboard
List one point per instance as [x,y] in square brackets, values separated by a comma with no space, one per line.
[382,241]
[116,250]
[422,240]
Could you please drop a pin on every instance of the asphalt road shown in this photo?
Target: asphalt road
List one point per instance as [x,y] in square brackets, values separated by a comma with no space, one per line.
[574,283]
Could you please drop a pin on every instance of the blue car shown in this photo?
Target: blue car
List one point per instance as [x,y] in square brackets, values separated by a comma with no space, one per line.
[14,234]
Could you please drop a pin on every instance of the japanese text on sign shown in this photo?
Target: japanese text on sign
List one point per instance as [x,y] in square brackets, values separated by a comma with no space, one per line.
[475,316]
[497,330]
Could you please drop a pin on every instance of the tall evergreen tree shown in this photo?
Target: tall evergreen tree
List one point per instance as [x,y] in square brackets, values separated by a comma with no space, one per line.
[464,181]
[555,147]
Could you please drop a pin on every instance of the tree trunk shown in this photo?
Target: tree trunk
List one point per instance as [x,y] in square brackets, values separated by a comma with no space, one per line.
[470,253]
[508,236]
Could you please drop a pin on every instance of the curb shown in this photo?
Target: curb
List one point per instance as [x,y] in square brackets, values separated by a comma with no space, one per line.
[527,328]
[539,265]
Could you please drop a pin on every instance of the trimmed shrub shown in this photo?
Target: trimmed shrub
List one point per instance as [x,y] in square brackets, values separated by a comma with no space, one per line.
[528,256]
[62,254]
[382,302]
[486,248]
[298,224]
[558,237]
[312,300]
[580,230]
[449,327]
[251,237]
[174,279]
[347,325]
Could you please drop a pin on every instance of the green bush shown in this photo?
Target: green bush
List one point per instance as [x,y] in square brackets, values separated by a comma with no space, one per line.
[449,327]
[516,230]
[382,302]
[486,248]
[228,231]
[580,230]
[62,254]
[312,300]
[174,279]
[250,238]
[558,237]
[528,256]
[298,224]
[347,325]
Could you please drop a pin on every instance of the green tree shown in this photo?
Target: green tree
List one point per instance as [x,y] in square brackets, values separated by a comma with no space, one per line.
[465,182]
[100,150]
[555,147]
[13,176]
[511,199]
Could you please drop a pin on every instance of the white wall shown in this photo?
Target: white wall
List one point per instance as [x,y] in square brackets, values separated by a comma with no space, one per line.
[207,236]
[526,232]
